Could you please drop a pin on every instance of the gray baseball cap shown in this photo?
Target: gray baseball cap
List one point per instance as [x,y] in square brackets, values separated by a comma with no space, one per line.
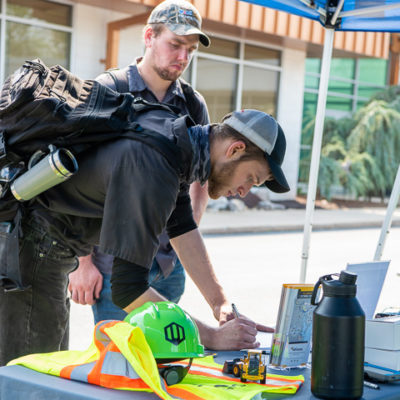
[180,17]
[262,130]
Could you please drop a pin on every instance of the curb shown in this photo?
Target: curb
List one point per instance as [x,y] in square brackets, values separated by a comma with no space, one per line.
[293,228]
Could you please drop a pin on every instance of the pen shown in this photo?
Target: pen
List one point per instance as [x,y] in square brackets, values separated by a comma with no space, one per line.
[235,311]
[371,385]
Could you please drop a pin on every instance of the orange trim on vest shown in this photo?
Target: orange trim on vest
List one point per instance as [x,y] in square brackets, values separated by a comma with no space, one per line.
[102,326]
[113,347]
[66,371]
[184,394]
[95,374]
[121,382]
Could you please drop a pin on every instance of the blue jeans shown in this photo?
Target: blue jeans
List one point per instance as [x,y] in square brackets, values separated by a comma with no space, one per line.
[36,320]
[171,287]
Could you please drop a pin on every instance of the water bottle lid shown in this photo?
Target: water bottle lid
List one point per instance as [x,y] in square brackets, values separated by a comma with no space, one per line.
[344,286]
[348,278]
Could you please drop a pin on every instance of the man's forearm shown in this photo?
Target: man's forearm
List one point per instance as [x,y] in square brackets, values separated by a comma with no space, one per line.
[193,255]
[149,295]
[199,199]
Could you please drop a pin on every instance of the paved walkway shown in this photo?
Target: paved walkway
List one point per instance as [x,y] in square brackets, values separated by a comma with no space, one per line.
[252,220]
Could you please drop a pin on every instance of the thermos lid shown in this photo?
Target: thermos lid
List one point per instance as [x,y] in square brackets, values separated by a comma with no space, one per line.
[348,278]
[344,286]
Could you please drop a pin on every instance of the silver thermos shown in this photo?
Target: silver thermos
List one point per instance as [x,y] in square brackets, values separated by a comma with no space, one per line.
[55,168]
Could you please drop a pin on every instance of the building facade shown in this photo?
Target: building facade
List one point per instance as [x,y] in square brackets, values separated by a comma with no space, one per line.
[259,58]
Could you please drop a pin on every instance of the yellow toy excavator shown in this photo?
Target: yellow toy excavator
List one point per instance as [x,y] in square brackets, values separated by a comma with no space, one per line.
[251,367]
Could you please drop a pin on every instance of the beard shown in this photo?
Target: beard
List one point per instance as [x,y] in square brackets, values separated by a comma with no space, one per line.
[166,74]
[219,180]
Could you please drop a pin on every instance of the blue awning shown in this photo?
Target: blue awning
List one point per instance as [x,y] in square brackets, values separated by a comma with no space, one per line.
[355,15]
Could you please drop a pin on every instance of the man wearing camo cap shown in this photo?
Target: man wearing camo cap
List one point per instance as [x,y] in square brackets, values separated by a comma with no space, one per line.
[180,17]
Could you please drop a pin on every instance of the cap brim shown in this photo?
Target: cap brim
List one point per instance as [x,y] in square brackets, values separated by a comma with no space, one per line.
[184,30]
[279,184]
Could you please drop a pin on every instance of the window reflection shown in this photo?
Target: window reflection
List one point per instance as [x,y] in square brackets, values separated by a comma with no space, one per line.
[262,55]
[41,10]
[25,42]
[343,68]
[373,71]
[341,87]
[222,47]
[217,82]
[260,88]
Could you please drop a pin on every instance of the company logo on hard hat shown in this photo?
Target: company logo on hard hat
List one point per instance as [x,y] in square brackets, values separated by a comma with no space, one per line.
[174,333]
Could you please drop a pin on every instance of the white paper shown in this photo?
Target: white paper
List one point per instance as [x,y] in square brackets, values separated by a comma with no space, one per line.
[370,279]
[265,339]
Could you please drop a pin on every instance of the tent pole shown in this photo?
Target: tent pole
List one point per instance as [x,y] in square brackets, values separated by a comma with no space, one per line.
[316,147]
[394,199]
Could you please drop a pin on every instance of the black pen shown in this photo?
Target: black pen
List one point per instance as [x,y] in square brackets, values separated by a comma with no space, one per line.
[371,385]
[235,311]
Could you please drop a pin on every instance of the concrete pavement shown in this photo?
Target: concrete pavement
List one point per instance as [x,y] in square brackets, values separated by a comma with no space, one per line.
[252,220]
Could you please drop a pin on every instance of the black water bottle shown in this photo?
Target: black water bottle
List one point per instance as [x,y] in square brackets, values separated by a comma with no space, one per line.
[337,368]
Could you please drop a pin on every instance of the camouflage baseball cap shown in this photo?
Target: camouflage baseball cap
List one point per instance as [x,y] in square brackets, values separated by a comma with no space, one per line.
[180,17]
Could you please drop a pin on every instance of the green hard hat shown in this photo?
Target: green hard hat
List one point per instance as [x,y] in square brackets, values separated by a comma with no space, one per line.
[170,332]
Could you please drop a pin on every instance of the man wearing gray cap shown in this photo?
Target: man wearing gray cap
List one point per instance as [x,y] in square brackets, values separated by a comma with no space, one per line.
[124,205]
[171,36]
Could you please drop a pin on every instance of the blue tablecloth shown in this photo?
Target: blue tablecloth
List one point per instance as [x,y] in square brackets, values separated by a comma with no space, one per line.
[20,383]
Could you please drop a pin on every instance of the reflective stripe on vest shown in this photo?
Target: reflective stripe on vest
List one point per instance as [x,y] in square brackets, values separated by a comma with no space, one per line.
[205,380]
[120,358]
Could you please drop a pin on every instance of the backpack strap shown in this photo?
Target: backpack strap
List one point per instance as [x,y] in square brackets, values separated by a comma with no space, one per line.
[169,149]
[154,139]
[10,274]
[158,142]
[140,104]
[192,102]
[120,79]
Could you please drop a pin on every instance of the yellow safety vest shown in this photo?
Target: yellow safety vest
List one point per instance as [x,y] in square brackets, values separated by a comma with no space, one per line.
[120,358]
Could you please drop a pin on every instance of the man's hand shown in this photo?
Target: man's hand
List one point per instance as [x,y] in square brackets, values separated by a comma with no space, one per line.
[227,315]
[85,282]
[223,313]
[235,334]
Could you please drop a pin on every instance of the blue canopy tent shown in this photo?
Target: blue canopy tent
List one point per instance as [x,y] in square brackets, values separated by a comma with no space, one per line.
[338,15]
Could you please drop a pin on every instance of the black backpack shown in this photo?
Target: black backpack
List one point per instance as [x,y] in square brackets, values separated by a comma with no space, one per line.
[41,106]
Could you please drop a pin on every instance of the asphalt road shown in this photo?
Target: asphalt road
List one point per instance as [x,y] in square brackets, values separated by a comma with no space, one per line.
[253,267]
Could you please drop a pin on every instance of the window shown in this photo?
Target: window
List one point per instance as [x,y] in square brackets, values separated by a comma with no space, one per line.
[233,75]
[41,10]
[260,89]
[351,83]
[25,42]
[220,90]
[222,47]
[262,55]
[35,29]
[373,71]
